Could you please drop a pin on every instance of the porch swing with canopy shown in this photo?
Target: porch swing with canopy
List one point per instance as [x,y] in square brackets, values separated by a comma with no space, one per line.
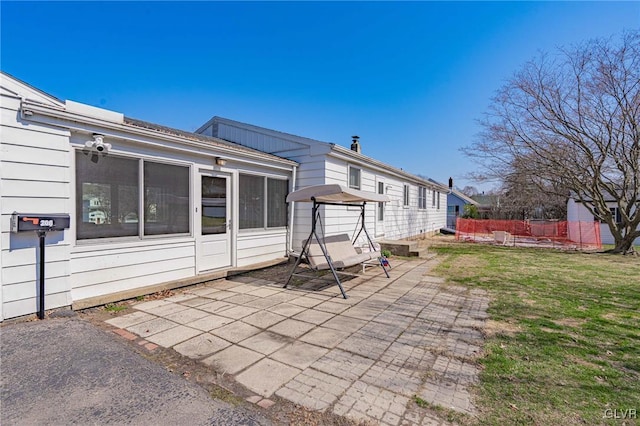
[336,251]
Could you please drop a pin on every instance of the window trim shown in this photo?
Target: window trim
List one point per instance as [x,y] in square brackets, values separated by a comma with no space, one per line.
[349,168]
[406,199]
[422,197]
[140,159]
[380,207]
[265,226]
[615,214]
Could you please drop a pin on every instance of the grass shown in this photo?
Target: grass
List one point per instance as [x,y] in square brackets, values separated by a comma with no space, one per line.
[446,413]
[114,307]
[563,341]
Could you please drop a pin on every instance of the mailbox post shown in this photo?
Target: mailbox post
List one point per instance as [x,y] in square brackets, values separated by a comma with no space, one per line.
[41,223]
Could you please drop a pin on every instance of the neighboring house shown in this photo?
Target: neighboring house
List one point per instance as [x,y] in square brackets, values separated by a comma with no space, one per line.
[487,205]
[156,205]
[576,211]
[418,206]
[456,201]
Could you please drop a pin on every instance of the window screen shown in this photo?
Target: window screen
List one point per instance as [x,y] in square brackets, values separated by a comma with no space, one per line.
[107,197]
[166,199]
[276,202]
[354,177]
[251,202]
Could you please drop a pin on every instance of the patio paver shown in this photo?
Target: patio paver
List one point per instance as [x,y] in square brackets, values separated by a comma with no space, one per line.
[201,346]
[364,357]
[266,376]
[233,359]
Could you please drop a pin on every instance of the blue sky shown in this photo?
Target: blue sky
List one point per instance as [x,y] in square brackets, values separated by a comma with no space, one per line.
[410,78]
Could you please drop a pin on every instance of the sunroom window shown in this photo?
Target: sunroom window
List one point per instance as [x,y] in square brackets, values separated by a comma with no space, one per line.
[256,209]
[108,195]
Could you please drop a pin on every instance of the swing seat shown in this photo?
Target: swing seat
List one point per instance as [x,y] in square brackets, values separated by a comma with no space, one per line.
[341,251]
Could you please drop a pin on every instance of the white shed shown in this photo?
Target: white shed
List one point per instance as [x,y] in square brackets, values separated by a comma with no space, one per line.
[578,212]
[418,206]
[147,204]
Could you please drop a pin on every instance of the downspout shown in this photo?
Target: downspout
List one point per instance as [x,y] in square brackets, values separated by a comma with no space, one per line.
[292,212]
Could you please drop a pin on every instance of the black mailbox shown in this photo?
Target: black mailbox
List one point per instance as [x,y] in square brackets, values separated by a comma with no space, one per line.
[39,222]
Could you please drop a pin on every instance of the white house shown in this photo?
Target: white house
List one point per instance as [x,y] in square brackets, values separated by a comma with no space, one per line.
[147,204]
[418,206]
[576,211]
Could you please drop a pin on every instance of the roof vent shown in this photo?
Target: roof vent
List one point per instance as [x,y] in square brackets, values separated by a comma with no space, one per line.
[355,145]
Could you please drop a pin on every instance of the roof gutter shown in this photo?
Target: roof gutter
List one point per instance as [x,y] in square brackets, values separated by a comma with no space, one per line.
[348,155]
[35,112]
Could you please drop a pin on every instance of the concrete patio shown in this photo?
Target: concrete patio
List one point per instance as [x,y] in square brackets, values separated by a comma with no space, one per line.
[365,357]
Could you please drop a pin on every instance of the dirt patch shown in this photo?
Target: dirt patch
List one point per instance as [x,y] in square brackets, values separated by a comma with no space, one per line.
[493,328]
[570,322]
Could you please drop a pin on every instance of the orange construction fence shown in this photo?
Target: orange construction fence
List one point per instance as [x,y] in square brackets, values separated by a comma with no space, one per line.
[560,234]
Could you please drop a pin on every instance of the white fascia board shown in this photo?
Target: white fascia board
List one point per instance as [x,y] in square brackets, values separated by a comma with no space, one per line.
[355,158]
[88,124]
[17,88]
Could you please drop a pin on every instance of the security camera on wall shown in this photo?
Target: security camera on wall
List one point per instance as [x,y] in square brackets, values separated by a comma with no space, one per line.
[98,144]
[96,147]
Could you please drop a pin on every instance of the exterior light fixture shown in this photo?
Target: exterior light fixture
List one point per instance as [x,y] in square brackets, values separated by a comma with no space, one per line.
[220,161]
[98,144]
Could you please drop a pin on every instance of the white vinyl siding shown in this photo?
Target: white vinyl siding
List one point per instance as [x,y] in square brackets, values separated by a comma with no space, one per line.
[35,178]
[38,169]
[321,163]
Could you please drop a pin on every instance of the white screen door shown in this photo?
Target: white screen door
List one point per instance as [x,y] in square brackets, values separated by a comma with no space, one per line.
[215,213]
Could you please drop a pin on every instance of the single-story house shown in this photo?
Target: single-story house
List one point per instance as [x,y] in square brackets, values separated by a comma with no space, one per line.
[576,211]
[147,204]
[456,201]
[418,205]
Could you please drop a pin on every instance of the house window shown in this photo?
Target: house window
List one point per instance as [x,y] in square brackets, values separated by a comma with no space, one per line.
[166,199]
[256,209]
[433,198]
[277,190]
[405,198]
[422,197]
[438,207]
[354,177]
[615,214]
[380,205]
[108,195]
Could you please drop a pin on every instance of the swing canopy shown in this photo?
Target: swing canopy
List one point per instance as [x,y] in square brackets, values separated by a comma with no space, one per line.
[335,193]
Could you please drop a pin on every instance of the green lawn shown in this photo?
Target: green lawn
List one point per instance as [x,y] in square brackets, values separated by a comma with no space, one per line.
[563,339]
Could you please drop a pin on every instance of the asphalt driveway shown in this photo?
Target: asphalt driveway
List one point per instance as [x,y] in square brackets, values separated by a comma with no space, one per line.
[67,371]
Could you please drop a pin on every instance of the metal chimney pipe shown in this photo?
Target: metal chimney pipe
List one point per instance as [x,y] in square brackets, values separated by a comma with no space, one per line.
[355,145]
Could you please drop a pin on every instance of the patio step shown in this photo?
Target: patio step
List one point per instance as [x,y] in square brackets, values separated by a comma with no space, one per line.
[419,252]
[403,248]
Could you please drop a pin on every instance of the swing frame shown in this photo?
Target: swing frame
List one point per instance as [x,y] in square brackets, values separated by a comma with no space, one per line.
[334,195]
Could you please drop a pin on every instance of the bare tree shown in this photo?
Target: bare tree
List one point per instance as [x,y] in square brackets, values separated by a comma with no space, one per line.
[469,191]
[528,197]
[571,122]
